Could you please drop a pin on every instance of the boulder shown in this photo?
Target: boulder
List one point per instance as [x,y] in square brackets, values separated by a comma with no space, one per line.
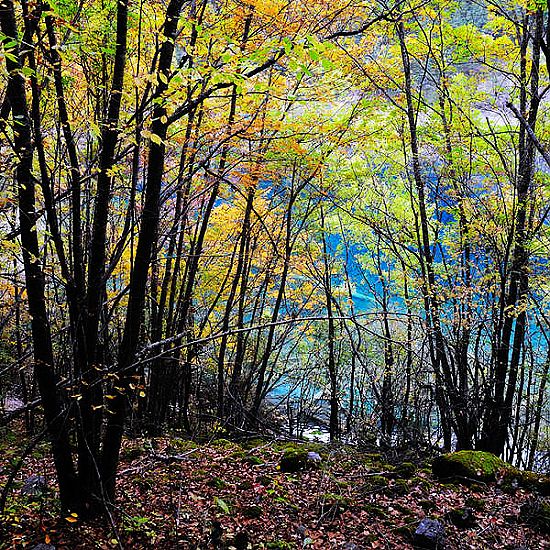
[405,470]
[462,517]
[470,465]
[486,467]
[430,534]
[295,460]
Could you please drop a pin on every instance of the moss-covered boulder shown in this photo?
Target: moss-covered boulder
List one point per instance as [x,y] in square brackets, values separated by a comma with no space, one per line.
[473,466]
[470,465]
[405,470]
[295,460]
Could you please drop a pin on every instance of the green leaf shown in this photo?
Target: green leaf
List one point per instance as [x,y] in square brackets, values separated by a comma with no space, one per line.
[222,505]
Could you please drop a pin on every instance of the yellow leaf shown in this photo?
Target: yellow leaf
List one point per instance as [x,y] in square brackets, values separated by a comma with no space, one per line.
[71,519]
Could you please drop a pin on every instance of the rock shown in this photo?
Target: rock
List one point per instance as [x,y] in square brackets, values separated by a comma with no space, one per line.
[430,534]
[42,546]
[462,517]
[314,457]
[405,470]
[472,465]
[295,460]
[349,546]
[34,486]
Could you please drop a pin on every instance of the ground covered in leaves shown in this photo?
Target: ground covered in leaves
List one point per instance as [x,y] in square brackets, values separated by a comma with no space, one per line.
[178,494]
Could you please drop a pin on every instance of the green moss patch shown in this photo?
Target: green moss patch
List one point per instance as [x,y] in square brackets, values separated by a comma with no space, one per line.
[469,465]
[485,467]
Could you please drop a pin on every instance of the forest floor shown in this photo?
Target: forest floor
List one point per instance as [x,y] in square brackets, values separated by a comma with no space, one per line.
[177,494]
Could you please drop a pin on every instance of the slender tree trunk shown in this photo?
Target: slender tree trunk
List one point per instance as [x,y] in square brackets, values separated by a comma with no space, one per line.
[138,278]
[34,277]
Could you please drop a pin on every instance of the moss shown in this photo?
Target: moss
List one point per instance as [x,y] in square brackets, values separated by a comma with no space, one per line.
[224,444]
[375,511]
[475,503]
[486,467]
[181,445]
[240,454]
[406,531]
[265,480]
[461,517]
[399,488]
[405,470]
[253,460]
[254,443]
[375,483]
[295,460]
[469,465]
[421,482]
[403,509]
[216,483]
[534,482]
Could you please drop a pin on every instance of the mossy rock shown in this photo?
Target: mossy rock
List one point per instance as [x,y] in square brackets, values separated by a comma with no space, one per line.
[265,480]
[405,470]
[462,518]
[296,460]
[534,482]
[422,482]
[486,467]
[245,485]
[374,484]
[372,458]
[469,465]
[239,455]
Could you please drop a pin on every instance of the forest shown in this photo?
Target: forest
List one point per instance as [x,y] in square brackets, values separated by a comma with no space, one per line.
[251,231]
